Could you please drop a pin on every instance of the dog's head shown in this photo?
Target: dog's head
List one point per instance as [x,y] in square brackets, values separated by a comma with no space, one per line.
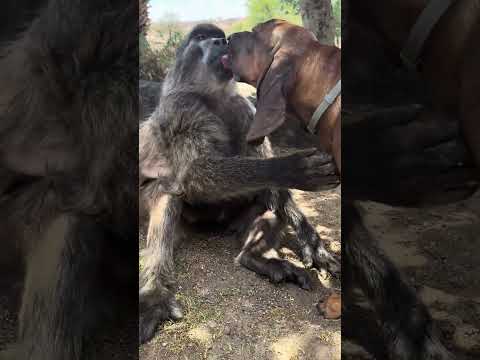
[265,58]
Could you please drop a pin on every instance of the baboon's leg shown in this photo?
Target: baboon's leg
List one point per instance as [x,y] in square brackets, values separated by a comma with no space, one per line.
[259,252]
[311,245]
[59,303]
[156,297]
[404,319]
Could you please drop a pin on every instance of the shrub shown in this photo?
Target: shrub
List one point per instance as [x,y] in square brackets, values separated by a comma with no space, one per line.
[155,62]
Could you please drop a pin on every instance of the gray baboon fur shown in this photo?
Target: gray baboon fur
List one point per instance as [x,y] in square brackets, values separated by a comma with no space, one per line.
[194,156]
[68,143]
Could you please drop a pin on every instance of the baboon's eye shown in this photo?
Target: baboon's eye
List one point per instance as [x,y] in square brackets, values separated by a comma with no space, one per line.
[201,37]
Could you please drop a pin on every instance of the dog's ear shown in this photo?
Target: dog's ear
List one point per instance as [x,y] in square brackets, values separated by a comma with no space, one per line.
[272,98]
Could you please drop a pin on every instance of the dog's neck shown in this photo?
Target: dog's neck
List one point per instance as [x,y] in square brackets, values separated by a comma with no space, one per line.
[395,18]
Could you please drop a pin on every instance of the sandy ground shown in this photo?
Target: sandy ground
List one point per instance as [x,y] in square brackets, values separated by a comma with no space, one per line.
[232,313]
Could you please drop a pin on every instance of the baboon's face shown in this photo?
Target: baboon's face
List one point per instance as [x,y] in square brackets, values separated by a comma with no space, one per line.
[202,51]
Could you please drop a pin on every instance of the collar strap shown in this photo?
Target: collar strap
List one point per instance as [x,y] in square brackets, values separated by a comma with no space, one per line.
[421,31]
[324,105]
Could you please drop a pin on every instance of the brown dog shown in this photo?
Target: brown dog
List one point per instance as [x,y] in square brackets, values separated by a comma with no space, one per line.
[292,72]
[448,60]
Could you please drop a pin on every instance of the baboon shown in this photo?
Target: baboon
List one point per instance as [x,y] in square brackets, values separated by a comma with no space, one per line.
[68,148]
[195,163]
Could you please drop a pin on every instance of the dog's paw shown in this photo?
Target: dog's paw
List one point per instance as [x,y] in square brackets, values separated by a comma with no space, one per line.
[331,307]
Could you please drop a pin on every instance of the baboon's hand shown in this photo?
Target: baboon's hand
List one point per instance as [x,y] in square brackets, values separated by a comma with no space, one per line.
[156,306]
[310,170]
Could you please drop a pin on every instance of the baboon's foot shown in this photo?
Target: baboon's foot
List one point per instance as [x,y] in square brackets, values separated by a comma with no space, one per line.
[156,306]
[323,259]
[277,270]
[404,348]
[420,343]
[285,271]
[320,258]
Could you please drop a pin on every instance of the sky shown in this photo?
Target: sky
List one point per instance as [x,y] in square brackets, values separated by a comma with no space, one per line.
[194,10]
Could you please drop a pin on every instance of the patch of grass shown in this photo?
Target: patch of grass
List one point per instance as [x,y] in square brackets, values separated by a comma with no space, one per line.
[197,314]
[230,292]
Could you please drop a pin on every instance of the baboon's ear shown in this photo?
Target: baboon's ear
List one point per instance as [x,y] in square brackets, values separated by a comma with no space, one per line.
[272,98]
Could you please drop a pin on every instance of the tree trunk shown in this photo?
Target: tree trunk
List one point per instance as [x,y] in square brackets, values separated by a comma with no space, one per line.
[317,16]
[143,18]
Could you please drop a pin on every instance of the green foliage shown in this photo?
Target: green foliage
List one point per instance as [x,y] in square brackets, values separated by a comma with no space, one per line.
[166,35]
[294,3]
[262,10]
[154,62]
[337,14]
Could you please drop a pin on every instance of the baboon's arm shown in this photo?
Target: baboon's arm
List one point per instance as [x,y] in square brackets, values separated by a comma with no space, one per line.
[200,144]
[223,178]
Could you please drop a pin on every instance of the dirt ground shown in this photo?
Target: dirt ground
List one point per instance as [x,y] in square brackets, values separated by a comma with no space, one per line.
[232,313]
